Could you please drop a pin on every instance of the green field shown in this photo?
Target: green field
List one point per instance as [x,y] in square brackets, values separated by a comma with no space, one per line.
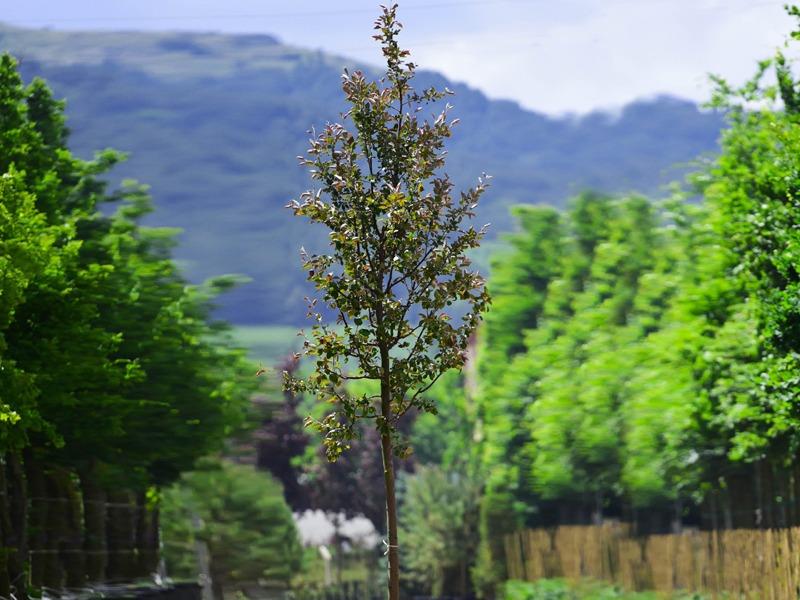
[268,344]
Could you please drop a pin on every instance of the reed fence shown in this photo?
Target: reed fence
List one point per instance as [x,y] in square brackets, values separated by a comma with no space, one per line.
[739,563]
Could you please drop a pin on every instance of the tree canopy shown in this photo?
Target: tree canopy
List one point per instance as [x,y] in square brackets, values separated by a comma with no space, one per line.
[112,369]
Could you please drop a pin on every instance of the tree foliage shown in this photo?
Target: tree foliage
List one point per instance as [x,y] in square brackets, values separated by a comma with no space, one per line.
[111,354]
[241,516]
[398,244]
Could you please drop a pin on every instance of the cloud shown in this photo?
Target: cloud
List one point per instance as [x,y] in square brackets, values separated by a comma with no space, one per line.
[610,56]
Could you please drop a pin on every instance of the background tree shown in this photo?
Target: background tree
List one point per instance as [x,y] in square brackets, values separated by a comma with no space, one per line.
[397,261]
[439,526]
[240,514]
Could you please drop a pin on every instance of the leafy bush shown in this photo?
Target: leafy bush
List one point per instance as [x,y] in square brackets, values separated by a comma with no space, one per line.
[558,589]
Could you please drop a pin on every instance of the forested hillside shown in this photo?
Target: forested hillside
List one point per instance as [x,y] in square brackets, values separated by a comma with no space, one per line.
[213,123]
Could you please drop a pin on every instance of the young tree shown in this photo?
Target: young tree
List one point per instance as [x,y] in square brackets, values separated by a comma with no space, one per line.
[397,261]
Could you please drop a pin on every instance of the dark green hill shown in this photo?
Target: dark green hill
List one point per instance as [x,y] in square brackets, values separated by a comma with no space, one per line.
[214,124]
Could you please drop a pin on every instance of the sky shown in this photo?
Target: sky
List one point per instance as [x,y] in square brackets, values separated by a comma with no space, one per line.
[554,56]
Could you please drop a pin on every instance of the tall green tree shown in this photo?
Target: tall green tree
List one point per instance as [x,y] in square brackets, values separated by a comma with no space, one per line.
[110,363]
[752,190]
[397,261]
[118,342]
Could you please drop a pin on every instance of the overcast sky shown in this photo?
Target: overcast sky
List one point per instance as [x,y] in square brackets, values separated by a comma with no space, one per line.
[555,56]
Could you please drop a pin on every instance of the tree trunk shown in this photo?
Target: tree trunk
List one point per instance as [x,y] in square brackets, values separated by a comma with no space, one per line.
[388,467]
[217,587]
[388,478]
[728,511]
[759,510]
[391,518]
[65,528]
[713,501]
[781,494]
[6,548]
[16,535]
[37,519]
[597,513]
[768,501]
[94,515]
[677,516]
[793,496]
[121,536]
[53,571]
[147,538]
[204,563]
[462,578]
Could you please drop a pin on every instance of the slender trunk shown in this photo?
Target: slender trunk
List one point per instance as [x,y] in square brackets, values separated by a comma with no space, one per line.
[391,518]
[121,536]
[71,568]
[217,587]
[597,513]
[759,511]
[5,531]
[677,516]
[16,535]
[94,515]
[55,530]
[337,536]
[713,502]
[388,478]
[462,578]
[793,496]
[768,502]
[37,519]
[728,511]
[203,561]
[781,493]
[147,538]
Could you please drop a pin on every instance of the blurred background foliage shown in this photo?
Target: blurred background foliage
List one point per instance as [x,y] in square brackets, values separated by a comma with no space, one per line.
[240,515]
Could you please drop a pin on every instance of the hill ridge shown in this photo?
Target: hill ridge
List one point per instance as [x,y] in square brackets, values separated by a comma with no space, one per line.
[216,137]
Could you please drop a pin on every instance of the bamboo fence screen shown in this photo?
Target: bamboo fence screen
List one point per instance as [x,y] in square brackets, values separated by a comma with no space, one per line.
[739,563]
